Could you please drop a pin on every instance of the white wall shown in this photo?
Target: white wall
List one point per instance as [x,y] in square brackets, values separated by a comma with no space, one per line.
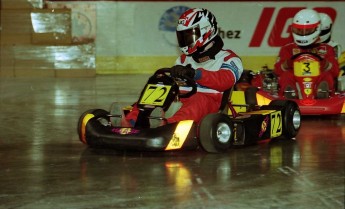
[137,36]
[131,28]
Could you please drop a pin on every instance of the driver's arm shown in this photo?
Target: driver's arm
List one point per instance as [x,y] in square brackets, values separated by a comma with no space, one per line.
[330,62]
[223,79]
[283,62]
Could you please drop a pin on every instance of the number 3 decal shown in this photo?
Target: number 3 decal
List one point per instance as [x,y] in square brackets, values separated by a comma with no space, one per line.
[307,67]
[276,124]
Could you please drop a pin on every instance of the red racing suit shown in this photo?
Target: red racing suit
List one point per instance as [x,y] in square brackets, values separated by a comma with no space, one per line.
[212,76]
[284,63]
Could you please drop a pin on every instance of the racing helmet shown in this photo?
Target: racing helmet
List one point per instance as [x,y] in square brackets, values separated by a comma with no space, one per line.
[195,28]
[326,27]
[306,27]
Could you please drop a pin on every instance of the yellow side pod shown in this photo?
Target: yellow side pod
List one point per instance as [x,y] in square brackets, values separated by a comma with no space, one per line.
[262,100]
[180,134]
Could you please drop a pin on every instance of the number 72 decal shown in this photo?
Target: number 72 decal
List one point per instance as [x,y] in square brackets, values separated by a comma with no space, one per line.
[155,94]
[276,124]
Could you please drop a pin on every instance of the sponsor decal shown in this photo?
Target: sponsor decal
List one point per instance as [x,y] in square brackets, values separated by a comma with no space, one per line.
[307,87]
[308,91]
[125,131]
[296,51]
[322,50]
[264,125]
[175,141]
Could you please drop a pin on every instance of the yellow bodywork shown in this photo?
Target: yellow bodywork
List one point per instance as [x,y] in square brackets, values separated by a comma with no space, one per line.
[180,135]
[239,101]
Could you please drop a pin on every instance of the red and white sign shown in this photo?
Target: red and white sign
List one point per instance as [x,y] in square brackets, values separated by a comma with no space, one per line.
[280,33]
[249,28]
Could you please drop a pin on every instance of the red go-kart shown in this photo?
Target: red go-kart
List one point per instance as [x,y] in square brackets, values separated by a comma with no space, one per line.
[305,85]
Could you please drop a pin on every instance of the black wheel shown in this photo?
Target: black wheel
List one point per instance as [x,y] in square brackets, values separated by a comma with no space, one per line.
[216,133]
[81,127]
[292,117]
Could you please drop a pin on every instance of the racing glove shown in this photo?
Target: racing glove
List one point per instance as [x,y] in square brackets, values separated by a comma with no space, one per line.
[180,71]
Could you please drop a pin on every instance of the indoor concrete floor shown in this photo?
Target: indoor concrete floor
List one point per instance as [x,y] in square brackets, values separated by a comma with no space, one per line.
[44,165]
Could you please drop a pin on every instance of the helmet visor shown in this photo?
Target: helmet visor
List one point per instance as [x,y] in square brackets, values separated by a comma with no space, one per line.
[303,31]
[188,37]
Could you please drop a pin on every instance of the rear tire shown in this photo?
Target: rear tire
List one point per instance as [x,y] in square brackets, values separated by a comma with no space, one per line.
[216,133]
[292,117]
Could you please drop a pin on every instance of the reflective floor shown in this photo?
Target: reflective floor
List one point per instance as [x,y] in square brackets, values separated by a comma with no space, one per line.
[43,164]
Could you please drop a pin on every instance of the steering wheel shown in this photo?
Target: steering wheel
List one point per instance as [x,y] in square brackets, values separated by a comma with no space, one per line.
[188,81]
[307,53]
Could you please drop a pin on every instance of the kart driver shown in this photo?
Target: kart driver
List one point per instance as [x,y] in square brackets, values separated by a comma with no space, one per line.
[213,68]
[306,30]
[326,33]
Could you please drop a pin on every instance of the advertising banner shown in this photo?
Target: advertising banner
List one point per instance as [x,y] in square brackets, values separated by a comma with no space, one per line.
[136,36]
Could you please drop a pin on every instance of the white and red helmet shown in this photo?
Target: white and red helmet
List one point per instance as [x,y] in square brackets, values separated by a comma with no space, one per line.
[306,27]
[195,28]
[326,27]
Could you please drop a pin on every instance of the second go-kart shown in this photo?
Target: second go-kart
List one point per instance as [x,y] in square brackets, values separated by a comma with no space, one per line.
[312,96]
[236,123]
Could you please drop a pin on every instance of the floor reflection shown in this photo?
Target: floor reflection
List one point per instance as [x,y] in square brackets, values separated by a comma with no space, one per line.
[183,171]
[43,163]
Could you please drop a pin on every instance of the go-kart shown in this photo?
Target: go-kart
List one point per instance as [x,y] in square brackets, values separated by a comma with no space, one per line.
[233,124]
[305,89]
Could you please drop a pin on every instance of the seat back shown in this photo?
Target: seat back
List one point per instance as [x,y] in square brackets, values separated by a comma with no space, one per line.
[237,99]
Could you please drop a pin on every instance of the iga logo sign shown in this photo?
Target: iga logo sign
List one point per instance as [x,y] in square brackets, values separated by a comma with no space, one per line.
[280,34]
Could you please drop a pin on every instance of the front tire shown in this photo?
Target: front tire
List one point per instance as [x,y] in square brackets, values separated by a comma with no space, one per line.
[216,133]
[292,117]
[81,127]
